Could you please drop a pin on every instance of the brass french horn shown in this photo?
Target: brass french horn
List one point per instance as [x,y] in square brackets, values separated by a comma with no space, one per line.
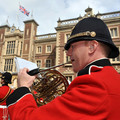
[50,84]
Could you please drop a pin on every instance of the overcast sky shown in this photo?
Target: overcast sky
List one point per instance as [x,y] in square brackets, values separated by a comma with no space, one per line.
[47,12]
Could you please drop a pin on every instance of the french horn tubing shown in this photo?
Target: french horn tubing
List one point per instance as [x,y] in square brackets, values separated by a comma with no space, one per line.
[49,84]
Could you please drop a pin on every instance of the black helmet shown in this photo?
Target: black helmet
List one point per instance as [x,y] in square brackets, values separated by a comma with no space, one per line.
[7,77]
[92,28]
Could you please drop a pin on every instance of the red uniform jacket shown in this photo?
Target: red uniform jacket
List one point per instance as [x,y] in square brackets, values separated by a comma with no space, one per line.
[93,95]
[5,91]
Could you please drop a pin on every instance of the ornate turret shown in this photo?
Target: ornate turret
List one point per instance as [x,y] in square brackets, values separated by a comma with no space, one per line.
[89,12]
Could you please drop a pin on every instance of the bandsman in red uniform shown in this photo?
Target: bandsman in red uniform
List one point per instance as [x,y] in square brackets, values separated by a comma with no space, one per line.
[5,91]
[93,95]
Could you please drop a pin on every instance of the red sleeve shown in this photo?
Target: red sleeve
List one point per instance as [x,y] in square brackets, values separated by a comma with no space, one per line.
[85,99]
[3,91]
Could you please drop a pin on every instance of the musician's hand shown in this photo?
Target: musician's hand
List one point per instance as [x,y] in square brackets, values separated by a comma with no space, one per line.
[24,79]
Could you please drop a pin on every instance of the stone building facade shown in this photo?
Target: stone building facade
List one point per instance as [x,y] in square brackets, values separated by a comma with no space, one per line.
[48,49]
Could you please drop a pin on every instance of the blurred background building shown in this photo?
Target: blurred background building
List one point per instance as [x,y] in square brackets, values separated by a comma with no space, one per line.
[48,49]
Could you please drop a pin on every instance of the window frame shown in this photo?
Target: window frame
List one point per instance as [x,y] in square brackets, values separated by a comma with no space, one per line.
[10,48]
[8,65]
[117,30]
[48,63]
[48,51]
[40,61]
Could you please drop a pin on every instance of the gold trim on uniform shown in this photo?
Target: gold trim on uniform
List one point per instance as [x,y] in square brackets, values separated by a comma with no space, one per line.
[87,33]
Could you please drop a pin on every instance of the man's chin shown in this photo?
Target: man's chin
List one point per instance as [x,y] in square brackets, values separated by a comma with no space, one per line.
[75,70]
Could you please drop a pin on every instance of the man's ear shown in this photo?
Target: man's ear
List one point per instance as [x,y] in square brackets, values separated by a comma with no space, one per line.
[92,46]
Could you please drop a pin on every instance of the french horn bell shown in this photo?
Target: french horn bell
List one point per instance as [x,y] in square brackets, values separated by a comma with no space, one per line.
[49,84]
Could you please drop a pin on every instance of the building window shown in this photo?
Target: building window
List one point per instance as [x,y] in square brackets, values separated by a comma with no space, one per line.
[66,38]
[21,49]
[8,65]
[27,32]
[69,78]
[39,63]
[10,47]
[68,58]
[48,63]
[39,49]
[114,32]
[26,47]
[117,59]
[48,49]
[1,36]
